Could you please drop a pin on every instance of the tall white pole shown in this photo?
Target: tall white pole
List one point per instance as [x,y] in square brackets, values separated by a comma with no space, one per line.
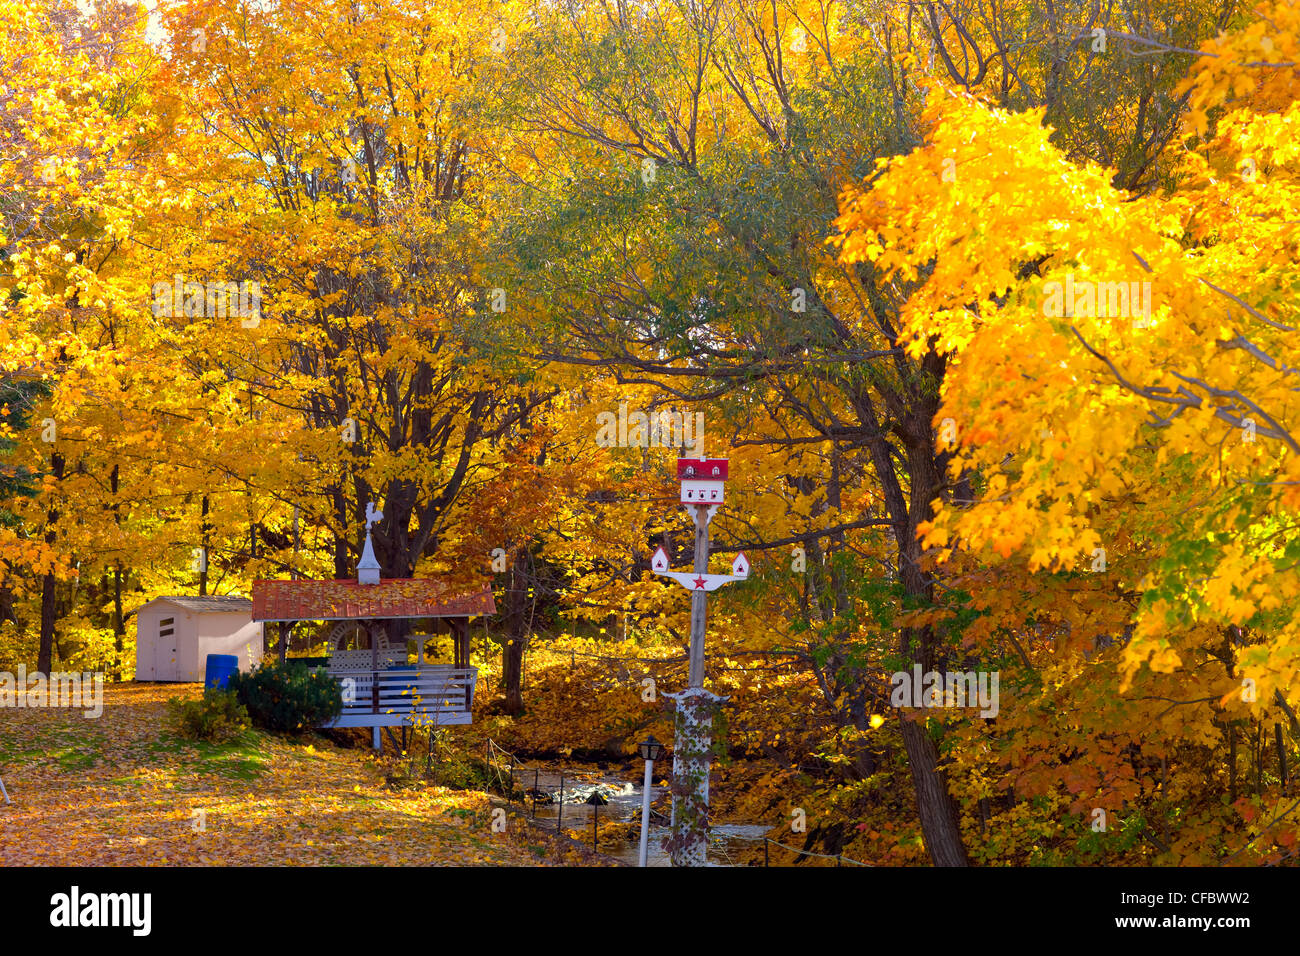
[645,812]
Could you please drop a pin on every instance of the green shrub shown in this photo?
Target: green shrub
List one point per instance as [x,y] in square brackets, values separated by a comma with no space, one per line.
[216,716]
[288,698]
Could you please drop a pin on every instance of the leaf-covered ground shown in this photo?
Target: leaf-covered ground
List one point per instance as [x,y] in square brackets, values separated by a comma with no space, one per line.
[123,789]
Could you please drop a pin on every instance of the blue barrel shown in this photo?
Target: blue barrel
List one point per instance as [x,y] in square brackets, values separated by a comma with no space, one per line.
[220,667]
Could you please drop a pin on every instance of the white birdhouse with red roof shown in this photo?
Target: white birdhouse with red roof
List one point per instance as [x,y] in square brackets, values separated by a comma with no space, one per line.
[703,480]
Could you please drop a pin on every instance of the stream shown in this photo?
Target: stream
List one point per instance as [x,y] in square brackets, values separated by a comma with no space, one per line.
[624,805]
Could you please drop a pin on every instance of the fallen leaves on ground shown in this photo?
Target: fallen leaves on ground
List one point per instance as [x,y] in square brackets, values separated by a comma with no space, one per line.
[123,789]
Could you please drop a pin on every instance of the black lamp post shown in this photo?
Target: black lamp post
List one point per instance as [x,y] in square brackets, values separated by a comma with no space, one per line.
[597,800]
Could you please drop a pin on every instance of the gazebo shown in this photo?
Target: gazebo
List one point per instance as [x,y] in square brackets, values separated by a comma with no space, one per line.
[380,685]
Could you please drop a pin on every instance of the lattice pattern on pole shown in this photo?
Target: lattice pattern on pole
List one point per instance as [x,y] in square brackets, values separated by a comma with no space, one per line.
[693,725]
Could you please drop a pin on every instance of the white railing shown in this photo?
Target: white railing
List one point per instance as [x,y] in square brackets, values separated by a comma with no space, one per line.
[427,695]
[364,659]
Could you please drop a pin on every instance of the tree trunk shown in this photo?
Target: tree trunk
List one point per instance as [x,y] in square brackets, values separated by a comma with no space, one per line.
[512,652]
[45,654]
[203,554]
[939,823]
[938,812]
[119,632]
[341,568]
[512,667]
[1232,763]
[7,605]
[935,806]
[44,659]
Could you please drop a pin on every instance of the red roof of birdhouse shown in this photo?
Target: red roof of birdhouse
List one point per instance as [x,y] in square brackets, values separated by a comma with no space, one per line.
[702,469]
[345,600]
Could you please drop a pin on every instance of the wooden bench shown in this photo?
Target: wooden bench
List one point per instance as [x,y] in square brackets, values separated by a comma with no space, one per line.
[430,693]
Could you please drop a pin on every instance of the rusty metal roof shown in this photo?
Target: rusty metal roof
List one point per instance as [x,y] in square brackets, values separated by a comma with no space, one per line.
[208,603]
[346,600]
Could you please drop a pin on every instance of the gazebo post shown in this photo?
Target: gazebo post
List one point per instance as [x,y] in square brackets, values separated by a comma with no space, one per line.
[375,742]
[460,635]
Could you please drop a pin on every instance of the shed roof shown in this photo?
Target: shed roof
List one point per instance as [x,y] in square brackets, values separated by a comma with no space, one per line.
[208,603]
[345,599]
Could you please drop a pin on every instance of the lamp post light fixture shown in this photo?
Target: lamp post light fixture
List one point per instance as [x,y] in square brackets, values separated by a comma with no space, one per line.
[650,749]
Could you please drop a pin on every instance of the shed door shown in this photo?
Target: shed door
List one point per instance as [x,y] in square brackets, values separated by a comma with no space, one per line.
[166,650]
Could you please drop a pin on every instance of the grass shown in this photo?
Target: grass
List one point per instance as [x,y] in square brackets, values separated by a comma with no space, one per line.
[74,758]
[243,758]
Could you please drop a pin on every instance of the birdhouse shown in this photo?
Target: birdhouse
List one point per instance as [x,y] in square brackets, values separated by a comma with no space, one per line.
[659,562]
[702,493]
[702,480]
[740,566]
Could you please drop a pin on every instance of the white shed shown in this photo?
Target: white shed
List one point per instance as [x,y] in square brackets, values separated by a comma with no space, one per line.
[175,635]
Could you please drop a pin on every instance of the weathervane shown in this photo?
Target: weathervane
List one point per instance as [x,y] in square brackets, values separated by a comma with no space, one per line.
[368,567]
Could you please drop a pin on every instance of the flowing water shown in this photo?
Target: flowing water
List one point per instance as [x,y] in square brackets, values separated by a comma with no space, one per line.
[624,805]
